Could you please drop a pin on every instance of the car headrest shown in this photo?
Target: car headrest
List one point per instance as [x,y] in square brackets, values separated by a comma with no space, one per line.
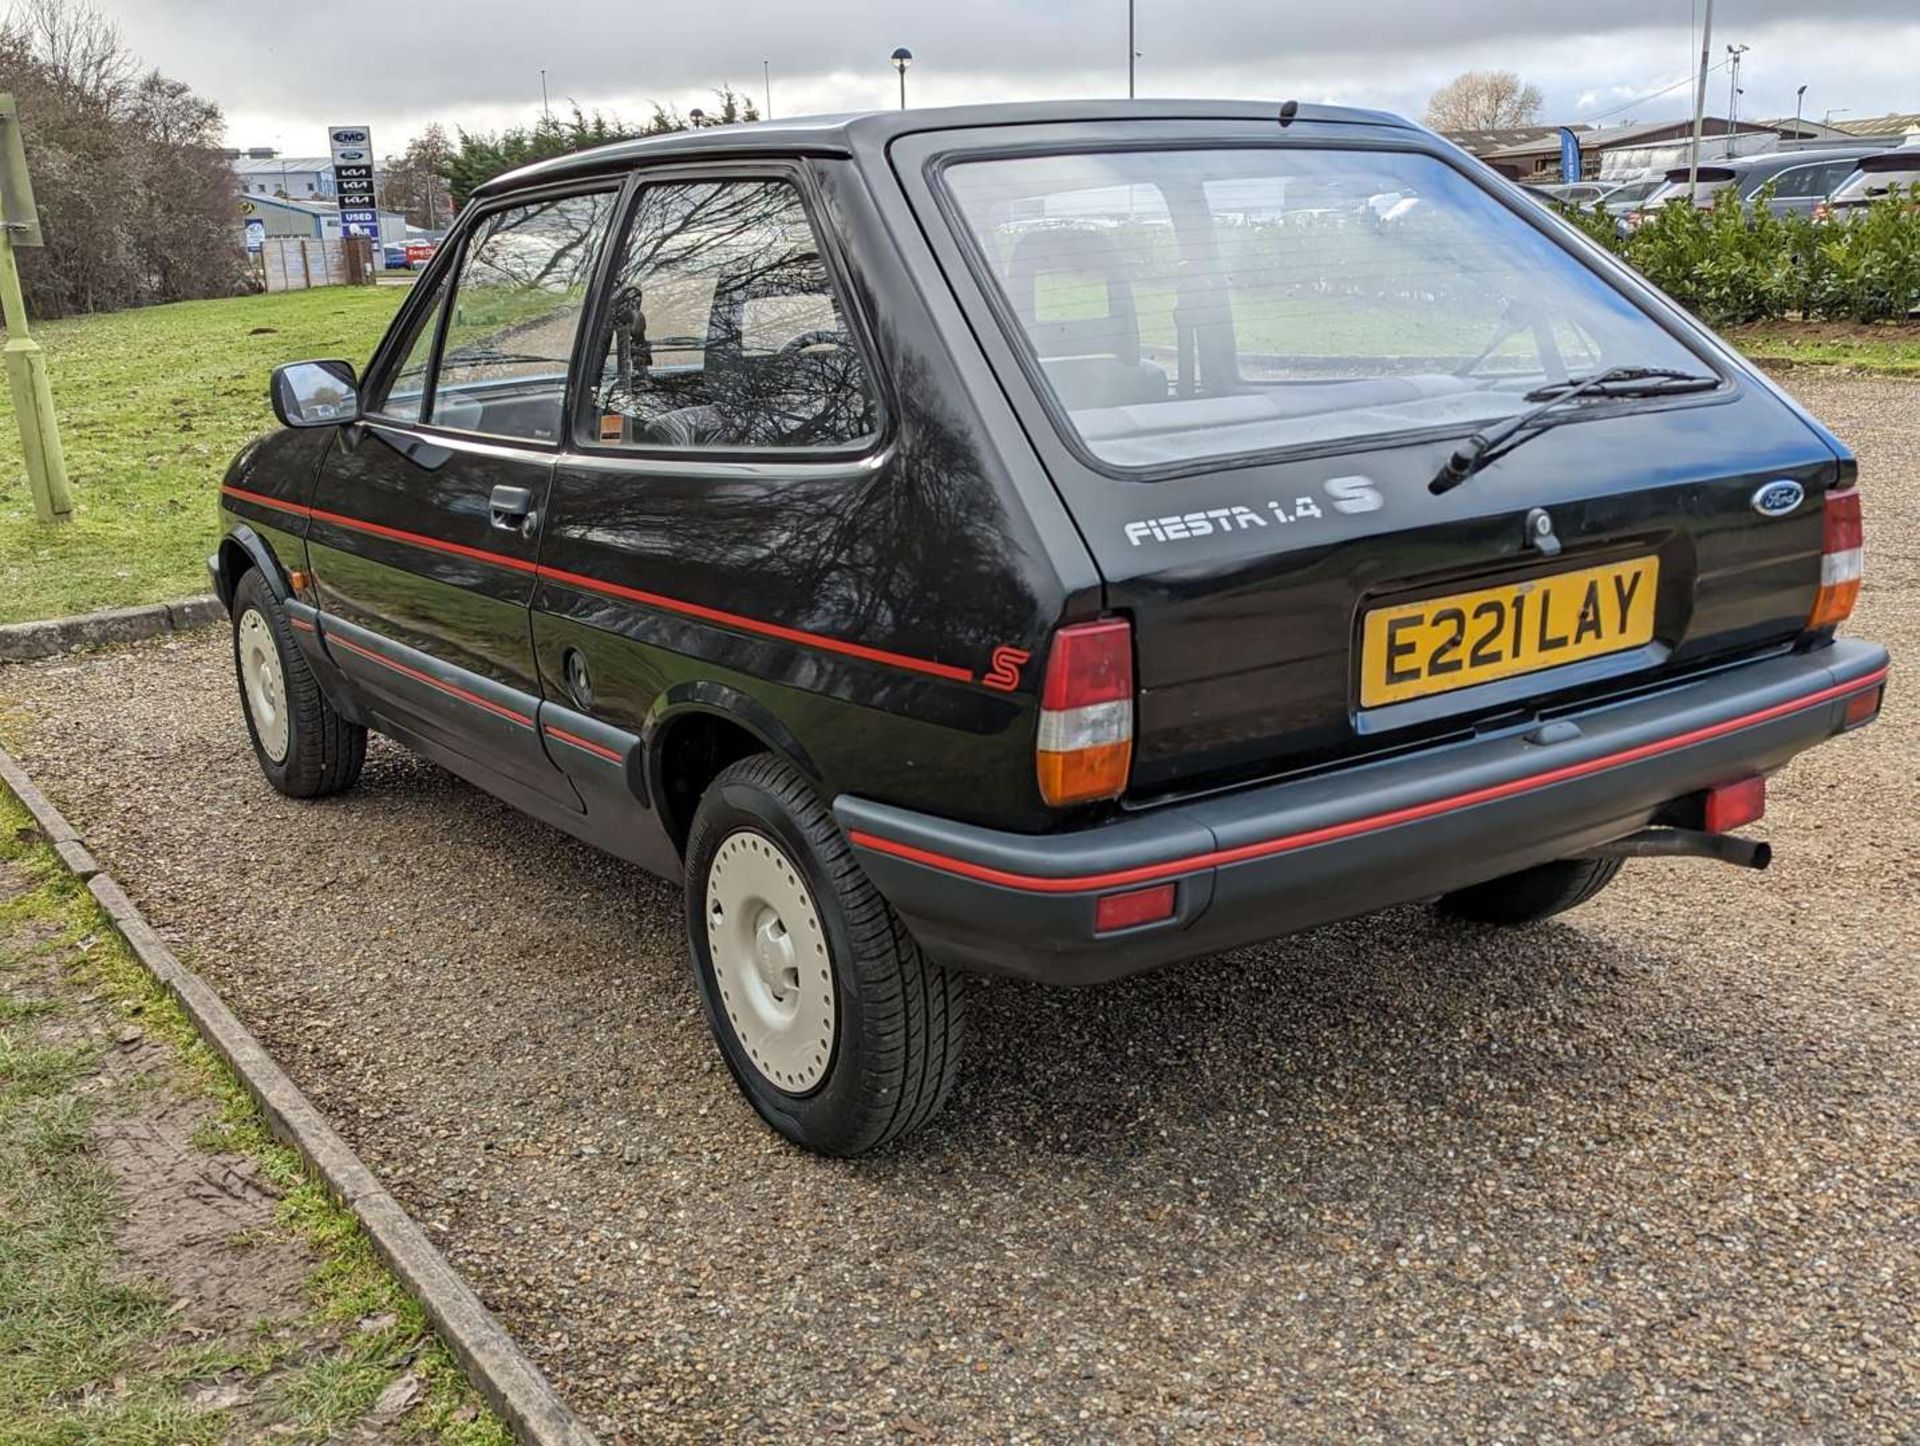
[1081,251]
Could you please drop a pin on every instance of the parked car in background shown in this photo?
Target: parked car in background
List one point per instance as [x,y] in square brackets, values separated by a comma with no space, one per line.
[1628,195]
[394,257]
[933,593]
[419,253]
[1799,180]
[1876,176]
[1580,193]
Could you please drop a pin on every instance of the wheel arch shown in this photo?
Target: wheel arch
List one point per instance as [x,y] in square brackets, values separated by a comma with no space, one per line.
[693,732]
[241,551]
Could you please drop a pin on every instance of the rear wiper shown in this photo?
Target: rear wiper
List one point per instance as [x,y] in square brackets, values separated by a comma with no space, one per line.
[1488,446]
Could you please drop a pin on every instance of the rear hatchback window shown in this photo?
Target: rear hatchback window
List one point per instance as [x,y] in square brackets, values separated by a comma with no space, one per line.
[1182,305]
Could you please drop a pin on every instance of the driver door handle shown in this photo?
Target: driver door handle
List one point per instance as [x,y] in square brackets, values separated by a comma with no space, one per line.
[511,509]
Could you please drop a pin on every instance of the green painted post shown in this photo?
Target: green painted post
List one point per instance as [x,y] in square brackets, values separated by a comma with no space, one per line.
[26,363]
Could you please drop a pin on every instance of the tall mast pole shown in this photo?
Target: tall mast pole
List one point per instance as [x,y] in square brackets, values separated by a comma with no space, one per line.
[1699,109]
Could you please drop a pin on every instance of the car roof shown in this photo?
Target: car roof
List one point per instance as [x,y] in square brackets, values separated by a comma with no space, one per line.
[841,134]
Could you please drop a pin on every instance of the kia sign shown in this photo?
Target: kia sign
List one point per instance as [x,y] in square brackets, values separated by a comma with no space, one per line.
[351,148]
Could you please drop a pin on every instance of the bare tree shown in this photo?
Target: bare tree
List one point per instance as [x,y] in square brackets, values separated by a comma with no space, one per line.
[136,201]
[1483,100]
[413,184]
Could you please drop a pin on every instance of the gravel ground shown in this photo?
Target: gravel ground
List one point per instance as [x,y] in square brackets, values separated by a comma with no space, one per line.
[1654,1170]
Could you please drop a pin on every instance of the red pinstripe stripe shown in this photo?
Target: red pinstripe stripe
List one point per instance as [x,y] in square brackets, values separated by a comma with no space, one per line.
[614,589]
[335,640]
[1372,823]
[303,625]
[772,630]
[612,755]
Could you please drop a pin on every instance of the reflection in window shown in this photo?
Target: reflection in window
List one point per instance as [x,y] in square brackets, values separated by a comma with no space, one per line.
[723,329]
[516,308]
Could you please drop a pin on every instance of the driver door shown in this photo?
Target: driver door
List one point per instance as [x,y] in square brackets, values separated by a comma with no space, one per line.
[426,521]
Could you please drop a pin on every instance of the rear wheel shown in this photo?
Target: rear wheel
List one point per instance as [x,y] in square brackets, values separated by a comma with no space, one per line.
[1532,894]
[303,745]
[838,1030]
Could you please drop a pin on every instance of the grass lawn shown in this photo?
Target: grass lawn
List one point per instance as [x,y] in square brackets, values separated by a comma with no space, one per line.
[94,1351]
[153,404]
[1892,348]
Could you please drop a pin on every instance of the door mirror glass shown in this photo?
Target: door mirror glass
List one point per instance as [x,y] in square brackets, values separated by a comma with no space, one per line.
[315,394]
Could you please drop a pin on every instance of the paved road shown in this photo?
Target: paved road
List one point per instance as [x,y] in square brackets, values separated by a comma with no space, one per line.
[1653,1170]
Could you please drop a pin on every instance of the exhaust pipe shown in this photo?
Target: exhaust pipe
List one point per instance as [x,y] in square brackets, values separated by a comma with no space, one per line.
[1662,843]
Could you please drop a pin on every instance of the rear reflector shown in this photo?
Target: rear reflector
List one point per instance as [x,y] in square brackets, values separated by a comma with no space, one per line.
[1862,708]
[1735,805]
[1085,744]
[1840,561]
[1133,908]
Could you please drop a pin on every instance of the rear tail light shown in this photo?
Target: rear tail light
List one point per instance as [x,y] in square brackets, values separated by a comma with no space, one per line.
[1085,746]
[1840,561]
[1735,805]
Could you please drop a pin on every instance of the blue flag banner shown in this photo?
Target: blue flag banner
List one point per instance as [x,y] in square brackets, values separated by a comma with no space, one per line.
[1569,155]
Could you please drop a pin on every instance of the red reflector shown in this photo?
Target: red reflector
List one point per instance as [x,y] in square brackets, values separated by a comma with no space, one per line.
[1863,707]
[1735,805]
[1133,908]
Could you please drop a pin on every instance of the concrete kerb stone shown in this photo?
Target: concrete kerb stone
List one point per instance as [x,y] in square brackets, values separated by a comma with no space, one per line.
[23,642]
[498,1368]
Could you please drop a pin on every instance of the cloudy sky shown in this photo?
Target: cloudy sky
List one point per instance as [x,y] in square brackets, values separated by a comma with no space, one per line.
[283,71]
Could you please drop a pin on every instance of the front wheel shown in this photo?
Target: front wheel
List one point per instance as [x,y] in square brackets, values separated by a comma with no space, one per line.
[1532,894]
[838,1030]
[303,745]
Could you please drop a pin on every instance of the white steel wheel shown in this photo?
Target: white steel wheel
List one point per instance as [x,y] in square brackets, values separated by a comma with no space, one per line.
[264,682]
[770,961]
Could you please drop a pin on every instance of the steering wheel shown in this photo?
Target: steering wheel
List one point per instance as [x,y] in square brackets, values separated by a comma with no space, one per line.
[803,340]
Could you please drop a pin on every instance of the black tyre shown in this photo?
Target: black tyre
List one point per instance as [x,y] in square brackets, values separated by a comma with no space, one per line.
[1532,894]
[305,748]
[839,1031]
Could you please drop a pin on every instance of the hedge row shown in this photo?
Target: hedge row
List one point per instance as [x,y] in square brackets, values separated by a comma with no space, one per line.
[1734,263]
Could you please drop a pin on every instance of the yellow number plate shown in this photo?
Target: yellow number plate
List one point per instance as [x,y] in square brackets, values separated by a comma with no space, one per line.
[1438,644]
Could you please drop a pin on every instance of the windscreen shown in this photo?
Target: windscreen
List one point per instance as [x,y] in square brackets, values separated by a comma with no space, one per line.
[1189,304]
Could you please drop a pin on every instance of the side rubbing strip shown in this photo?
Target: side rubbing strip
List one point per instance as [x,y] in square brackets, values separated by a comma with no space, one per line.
[613,589]
[499,710]
[585,745]
[1371,823]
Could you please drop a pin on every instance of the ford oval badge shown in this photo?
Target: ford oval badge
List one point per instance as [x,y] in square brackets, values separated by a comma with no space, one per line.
[1779,497]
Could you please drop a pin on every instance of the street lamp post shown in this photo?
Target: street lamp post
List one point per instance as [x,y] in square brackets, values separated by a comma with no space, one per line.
[1132,54]
[902,58]
[545,109]
[766,75]
[1799,102]
[1734,52]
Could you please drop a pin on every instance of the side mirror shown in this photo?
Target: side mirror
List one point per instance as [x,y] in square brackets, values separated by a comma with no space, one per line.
[315,394]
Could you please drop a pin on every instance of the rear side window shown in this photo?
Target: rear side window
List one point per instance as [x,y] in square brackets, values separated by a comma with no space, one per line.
[723,329]
[1810,182]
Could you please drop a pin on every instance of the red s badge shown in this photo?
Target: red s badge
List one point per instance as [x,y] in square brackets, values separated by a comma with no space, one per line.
[1007,663]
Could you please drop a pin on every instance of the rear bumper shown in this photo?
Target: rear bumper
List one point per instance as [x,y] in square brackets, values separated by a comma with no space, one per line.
[1262,862]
